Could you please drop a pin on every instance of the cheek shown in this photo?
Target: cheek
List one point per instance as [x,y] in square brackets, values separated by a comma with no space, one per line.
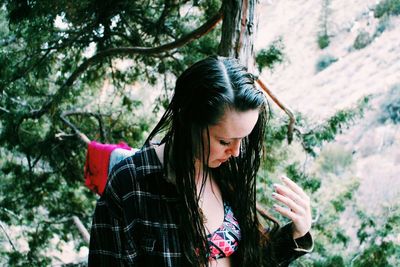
[216,151]
[213,152]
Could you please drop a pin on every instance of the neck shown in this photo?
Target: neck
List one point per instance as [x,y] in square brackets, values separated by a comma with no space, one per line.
[198,167]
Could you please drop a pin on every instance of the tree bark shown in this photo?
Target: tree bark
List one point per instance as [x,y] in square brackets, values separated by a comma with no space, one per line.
[238,35]
[239,29]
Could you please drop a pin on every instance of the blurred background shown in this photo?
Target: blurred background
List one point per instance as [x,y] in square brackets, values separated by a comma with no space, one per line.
[334,63]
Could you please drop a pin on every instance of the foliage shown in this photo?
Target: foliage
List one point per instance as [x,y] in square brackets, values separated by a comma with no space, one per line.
[362,40]
[308,182]
[387,7]
[41,159]
[391,106]
[377,235]
[271,56]
[311,139]
[43,45]
[330,236]
[323,39]
[365,239]
[275,134]
[326,132]
[324,62]
[384,23]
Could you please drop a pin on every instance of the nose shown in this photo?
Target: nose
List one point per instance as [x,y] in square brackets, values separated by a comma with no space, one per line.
[235,149]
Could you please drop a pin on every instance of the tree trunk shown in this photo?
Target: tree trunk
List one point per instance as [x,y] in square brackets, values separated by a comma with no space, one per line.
[239,28]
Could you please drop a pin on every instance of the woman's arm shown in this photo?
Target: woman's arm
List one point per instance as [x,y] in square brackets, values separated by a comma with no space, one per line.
[110,244]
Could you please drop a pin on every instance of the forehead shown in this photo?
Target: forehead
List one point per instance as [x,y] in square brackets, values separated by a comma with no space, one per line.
[235,124]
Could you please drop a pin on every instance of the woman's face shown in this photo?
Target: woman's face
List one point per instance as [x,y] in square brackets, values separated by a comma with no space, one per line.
[227,135]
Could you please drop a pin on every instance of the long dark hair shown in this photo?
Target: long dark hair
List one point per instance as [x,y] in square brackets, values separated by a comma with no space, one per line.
[202,94]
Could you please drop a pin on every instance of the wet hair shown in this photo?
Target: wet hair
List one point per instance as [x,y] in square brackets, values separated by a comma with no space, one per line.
[203,93]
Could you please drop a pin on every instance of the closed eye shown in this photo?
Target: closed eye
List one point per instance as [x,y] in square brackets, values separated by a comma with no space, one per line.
[222,142]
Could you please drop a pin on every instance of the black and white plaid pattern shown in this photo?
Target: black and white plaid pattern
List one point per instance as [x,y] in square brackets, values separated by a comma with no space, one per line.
[136,219]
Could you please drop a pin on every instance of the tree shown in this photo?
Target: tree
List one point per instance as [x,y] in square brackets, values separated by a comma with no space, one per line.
[57,56]
[238,31]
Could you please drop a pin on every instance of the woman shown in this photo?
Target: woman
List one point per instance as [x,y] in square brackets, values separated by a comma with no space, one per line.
[190,199]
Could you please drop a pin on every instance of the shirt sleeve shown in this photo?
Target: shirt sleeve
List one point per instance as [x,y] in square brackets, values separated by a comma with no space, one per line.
[110,244]
[283,249]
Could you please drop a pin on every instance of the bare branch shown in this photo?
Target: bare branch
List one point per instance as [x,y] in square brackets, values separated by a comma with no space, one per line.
[61,135]
[316,218]
[8,237]
[287,110]
[98,116]
[4,110]
[81,228]
[81,135]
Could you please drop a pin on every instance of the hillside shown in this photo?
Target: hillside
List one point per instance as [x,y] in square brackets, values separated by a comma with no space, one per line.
[365,61]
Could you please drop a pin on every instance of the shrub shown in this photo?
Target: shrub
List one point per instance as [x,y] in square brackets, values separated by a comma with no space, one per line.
[323,37]
[391,107]
[324,62]
[384,23]
[335,159]
[323,40]
[377,234]
[362,40]
[387,7]
[271,56]
[294,172]
[326,132]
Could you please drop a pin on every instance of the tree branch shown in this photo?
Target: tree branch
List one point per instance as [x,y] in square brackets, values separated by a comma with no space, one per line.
[22,73]
[8,237]
[81,228]
[83,137]
[195,34]
[287,110]
[4,110]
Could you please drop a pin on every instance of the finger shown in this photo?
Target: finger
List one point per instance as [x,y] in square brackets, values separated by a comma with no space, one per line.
[285,212]
[295,187]
[299,222]
[289,203]
[284,190]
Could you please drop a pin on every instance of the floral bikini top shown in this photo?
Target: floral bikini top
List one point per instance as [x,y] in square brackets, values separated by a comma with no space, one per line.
[225,240]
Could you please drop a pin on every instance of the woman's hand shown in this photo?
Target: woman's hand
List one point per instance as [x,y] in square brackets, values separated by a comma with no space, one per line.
[298,203]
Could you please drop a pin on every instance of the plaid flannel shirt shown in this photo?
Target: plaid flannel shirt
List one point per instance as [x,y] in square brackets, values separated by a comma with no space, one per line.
[136,220]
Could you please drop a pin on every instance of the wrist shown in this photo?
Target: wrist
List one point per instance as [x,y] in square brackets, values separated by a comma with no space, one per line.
[297,234]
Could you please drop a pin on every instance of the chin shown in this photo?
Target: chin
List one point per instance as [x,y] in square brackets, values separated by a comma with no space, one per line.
[215,164]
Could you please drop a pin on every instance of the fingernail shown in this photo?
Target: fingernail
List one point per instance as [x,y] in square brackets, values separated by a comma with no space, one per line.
[275,206]
[274,194]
